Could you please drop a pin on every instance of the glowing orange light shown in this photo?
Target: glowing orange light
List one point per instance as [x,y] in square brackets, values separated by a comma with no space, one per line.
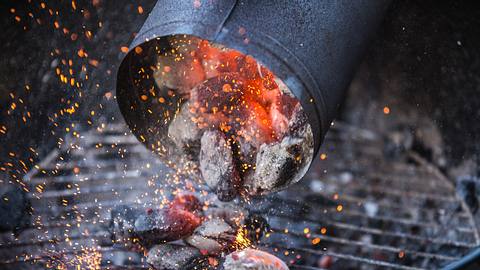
[386,110]
[138,50]
[81,53]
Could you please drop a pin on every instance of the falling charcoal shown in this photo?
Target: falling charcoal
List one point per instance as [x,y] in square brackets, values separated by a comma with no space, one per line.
[14,208]
[164,225]
[184,132]
[172,256]
[217,165]
[122,219]
[252,259]
[279,165]
[212,236]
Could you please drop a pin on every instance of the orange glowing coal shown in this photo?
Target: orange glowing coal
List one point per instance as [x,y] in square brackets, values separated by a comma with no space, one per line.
[248,112]
[229,90]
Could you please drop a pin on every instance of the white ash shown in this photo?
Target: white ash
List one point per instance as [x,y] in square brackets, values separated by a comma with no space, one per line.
[217,165]
[252,259]
[212,236]
[171,256]
[184,132]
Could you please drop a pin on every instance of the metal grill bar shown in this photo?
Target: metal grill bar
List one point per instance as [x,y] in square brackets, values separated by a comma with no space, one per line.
[354,258]
[106,175]
[411,222]
[372,246]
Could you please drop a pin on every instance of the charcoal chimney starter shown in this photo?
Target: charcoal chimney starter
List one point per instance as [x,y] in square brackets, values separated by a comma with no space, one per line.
[312,47]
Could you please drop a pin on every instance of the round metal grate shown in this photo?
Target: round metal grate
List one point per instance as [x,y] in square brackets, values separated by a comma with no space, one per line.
[356,209]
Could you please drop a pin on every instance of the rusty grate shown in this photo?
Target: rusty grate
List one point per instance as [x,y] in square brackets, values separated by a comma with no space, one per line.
[357,207]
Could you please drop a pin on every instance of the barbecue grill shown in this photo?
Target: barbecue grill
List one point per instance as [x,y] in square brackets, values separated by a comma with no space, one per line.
[359,207]
[356,208]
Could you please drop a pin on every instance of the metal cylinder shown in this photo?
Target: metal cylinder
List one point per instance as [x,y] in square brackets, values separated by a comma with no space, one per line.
[312,46]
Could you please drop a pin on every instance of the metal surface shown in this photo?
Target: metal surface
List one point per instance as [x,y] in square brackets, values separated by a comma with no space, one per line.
[313,46]
[399,213]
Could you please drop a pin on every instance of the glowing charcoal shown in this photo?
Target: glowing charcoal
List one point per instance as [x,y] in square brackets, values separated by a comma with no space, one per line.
[251,259]
[223,112]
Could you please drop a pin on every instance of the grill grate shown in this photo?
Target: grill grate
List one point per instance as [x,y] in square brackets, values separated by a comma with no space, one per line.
[368,211]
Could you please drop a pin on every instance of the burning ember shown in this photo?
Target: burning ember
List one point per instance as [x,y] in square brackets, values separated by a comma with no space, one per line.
[188,234]
[225,113]
[253,259]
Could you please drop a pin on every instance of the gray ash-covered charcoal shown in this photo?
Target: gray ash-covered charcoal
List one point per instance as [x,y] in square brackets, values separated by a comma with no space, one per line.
[217,165]
[14,208]
[279,165]
[172,257]
[164,225]
[213,236]
[184,132]
[122,220]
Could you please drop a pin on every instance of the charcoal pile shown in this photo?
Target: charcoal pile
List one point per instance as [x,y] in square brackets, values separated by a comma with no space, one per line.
[240,125]
[189,234]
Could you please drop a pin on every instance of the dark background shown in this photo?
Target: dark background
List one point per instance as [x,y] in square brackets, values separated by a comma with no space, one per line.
[423,64]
